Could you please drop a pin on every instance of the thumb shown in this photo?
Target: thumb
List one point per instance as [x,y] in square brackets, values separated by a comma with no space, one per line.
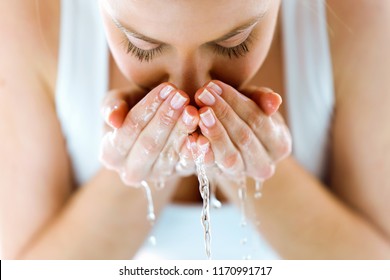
[116,105]
[268,100]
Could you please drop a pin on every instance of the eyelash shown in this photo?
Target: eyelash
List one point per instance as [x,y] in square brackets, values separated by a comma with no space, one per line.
[141,54]
[147,55]
[237,51]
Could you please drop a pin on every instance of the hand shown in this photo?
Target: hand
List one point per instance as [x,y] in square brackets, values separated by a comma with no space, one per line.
[144,143]
[246,134]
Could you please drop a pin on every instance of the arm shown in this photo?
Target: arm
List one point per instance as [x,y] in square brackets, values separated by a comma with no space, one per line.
[42,215]
[300,216]
[302,219]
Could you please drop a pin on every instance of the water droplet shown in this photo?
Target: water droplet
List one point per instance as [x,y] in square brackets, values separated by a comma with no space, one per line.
[258,195]
[258,188]
[242,197]
[150,215]
[152,240]
[243,241]
[215,203]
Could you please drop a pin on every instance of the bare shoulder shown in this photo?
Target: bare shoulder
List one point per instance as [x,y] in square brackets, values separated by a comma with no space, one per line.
[360,42]
[29,32]
[359,33]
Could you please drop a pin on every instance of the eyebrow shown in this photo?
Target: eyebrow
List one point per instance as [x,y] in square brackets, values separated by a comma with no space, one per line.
[233,32]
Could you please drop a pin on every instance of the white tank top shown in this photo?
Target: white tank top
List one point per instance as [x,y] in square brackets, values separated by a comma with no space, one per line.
[83,81]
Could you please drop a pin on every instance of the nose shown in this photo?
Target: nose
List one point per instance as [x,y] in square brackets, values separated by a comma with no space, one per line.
[191,73]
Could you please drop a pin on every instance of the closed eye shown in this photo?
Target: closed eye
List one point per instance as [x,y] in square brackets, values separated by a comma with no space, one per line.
[237,51]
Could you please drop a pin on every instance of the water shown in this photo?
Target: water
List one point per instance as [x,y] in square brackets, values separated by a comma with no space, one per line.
[153,240]
[215,203]
[258,188]
[242,196]
[151,217]
[204,189]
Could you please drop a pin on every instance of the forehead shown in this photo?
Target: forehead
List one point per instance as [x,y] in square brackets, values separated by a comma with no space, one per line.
[170,20]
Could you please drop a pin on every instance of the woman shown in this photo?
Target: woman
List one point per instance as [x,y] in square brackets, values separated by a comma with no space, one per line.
[328,200]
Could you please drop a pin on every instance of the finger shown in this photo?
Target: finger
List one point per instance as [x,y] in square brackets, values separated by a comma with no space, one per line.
[116,104]
[204,145]
[271,131]
[153,137]
[256,161]
[109,155]
[268,100]
[138,117]
[186,165]
[168,158]
[194,145]
[226,155]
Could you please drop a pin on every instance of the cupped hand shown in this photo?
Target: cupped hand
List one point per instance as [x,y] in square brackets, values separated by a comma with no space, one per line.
[147,140]
[246,133]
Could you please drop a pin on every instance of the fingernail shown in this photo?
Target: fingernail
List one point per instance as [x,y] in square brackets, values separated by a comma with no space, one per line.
[178,101]
[166,91]
[187,118]
[107,113]
[207,98]
[215,87]
[208,118]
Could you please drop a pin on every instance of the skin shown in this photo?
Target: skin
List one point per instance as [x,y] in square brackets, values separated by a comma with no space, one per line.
[246,142]
[301,217]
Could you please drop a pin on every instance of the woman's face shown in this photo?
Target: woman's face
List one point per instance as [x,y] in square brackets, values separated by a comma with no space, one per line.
[189,42]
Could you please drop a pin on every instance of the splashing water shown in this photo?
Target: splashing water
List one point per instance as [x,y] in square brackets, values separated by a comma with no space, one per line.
[215,203]
[242,197]
[151,217]
[204,189]
[152,240]
[258,188]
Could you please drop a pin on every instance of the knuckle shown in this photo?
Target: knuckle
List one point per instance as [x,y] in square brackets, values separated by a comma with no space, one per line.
[130,125]
[167,118]
[116,141]
[149,146]
[223,112]
[216,134]
[231,163]
[255,120]
[166,162]
[245,136]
